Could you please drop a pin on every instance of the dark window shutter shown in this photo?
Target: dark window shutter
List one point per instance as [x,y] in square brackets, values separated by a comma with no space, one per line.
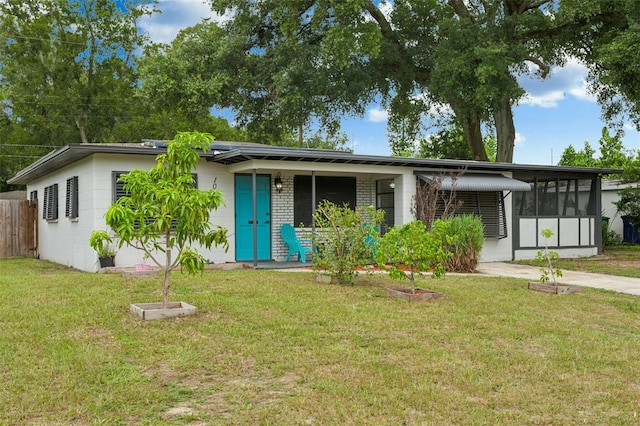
[50,203]
[71,204]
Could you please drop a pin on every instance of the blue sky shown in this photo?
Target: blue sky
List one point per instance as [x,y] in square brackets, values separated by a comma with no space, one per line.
[556,113]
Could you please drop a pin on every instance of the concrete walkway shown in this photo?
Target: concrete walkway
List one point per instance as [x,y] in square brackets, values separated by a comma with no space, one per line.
[585,279]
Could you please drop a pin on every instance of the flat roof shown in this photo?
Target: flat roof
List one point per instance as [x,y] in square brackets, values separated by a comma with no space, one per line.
[237,152]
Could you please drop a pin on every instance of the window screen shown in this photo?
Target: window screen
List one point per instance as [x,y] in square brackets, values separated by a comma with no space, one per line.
[338,190]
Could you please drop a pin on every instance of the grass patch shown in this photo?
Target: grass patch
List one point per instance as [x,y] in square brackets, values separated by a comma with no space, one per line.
[624,247]
[623,263]
[271,347]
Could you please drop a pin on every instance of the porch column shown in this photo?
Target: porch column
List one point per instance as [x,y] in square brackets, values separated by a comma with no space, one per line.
[404,192]
[313,202]
[598,207]
[254,205]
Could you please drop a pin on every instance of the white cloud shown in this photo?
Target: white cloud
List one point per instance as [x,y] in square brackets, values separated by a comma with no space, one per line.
[176,15]
[377,115]
[569,80]
[520,139]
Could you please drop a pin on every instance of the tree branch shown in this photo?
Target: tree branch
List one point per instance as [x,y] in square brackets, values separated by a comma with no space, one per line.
[544,68]
[550,32]
[527,5]
[378,16]
[460,9]
[422,75]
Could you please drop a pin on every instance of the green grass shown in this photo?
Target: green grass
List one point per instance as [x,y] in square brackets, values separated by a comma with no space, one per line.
[272,347]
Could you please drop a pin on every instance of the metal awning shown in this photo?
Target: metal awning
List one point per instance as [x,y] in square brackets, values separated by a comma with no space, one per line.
[476,182]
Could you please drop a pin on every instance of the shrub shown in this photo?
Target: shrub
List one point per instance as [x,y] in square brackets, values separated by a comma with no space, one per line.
[465,238]
[413,248]
[345,239]
[629,204]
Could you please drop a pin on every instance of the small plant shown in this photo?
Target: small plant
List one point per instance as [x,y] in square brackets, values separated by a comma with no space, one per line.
[411,249]
[345,239]
[102,243]
[546,257]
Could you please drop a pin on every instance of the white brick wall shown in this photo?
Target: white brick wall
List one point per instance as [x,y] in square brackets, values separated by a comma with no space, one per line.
[282,210]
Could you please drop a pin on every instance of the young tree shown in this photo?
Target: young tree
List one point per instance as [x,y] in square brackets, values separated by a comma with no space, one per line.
[345,238]
[164,213]
[414,247]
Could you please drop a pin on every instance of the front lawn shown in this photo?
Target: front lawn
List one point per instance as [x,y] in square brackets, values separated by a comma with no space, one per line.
[273,347]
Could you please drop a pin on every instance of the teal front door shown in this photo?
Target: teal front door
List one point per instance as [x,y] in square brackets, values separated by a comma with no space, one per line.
[244,217]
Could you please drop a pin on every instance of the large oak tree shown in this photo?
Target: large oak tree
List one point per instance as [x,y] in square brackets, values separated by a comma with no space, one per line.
[282,64]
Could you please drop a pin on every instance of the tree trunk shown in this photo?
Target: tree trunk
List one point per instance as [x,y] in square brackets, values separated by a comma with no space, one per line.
[300,137]
[167,276]
[473,134]
[505,131]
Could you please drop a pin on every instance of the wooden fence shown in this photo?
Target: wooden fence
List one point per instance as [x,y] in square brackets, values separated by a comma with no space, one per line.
[18,228]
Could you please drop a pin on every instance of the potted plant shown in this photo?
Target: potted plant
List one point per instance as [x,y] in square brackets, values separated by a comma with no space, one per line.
[102,243]
[407,252]
[548,272]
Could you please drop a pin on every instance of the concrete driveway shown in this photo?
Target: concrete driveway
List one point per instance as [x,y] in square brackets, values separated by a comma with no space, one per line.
[585,279]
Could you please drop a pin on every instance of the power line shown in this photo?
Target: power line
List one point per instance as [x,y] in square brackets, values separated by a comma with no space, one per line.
[29,146]
[19,156]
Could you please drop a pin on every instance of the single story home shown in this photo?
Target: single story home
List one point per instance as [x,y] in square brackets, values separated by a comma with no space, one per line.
[266,186]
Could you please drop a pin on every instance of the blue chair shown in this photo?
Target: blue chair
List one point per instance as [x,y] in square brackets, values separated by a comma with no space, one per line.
[288,233]
[371,237]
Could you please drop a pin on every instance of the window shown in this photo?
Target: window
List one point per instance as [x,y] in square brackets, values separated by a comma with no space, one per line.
[557,197]
[118,187]
[385,200]
[50,207]
[525,202]
[33,199]
[119,191]
[338,190]
[547,191]
[587,197]
[488,205]
[71,199]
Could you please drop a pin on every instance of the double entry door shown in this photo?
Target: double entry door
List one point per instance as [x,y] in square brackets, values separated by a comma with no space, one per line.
[244,222]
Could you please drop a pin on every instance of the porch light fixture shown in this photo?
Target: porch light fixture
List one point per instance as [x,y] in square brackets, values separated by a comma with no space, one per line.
[277,182]
[392,185]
